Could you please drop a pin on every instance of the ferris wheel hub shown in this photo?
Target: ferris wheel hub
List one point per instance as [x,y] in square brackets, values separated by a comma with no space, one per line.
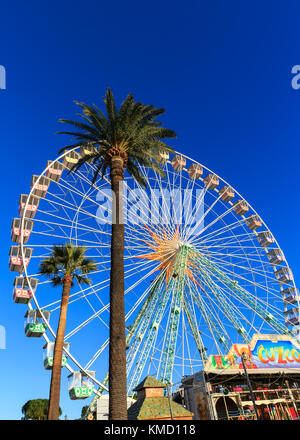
[215,279]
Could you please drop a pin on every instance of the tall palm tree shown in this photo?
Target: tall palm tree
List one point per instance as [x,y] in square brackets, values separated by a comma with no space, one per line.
[122,139]
[66,264]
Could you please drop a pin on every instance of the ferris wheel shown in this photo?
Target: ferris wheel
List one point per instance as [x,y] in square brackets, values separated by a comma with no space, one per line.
[202,270]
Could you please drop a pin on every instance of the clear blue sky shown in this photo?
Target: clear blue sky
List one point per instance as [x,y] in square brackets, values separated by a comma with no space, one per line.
[221,69]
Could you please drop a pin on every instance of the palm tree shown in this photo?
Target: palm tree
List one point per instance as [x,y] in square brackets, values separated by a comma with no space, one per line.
[65,264]
[122,139]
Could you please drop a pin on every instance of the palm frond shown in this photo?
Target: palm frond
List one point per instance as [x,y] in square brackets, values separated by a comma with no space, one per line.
[56,281]
[67,259]
[133,127]
[82,280]
[135,173]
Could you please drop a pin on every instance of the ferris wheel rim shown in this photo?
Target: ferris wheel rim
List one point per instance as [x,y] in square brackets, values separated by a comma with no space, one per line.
[22,244]
[256,213]
[33,294]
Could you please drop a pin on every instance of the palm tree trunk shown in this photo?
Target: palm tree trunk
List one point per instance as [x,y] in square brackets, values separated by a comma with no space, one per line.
[53,412]
[117,346]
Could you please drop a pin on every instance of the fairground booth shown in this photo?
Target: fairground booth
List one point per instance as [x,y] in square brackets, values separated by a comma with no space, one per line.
[260,380]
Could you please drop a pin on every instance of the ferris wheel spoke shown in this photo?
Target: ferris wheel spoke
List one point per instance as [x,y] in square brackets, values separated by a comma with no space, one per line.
[149,341]
[225,283]
[172,190]
[224,306]
[131,238]
[88,198]
[68,206]
[206,249]
[234,250]
[202,239]
[261,267]
[265,304]
[199,204]
[93,359]
[232,239]
[143,228]
[185,337]
[183,346]
[88,321]
[220,217]
[177,191]
[68,217]
[252,302]
[171,337]
[141,329]
[171,212]
[210,315]
[66,236]
[195,330]
[85,183]
[262,311]
[234,275]
[206,212]
[135,239]
[104,284]
[53,225]
[137,321]
[223,263]
[234,242]
[91,290]
[237,247]
[158,216]
[246,256]
[234,253]
[187,205]
[71,295]
[215,327]
[238,308]
[162,343]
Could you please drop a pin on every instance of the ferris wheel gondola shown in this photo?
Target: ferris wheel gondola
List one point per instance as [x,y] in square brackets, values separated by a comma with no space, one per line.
[202,269]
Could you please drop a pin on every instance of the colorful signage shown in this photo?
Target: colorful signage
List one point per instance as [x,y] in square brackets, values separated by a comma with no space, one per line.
[281,354]
[264,351]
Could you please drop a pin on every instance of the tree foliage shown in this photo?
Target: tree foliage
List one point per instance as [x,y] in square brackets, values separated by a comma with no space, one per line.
[124,139]
[83,411]
[67,260]
[131,131]
[36,409]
